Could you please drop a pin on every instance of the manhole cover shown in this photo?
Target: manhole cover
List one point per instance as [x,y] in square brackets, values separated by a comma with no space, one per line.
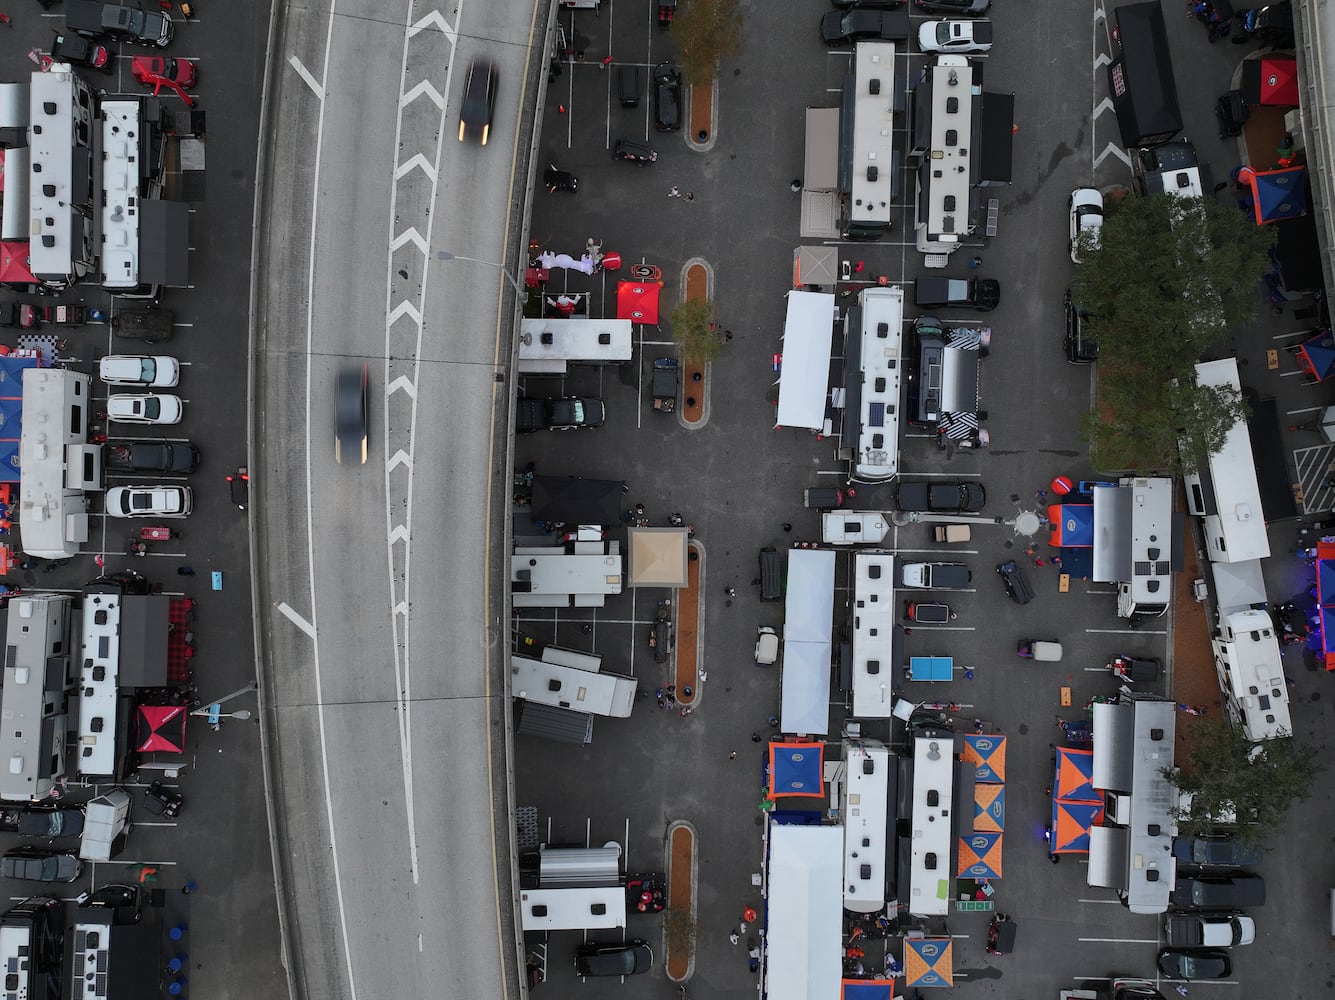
[1027,523]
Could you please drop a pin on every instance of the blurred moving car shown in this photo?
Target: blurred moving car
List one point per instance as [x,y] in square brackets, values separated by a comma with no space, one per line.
[153,371]
[145,408]
[350,416]
[38,864]
[238,487]
[1085,221]
[479,101]
[149,501]
[667,97]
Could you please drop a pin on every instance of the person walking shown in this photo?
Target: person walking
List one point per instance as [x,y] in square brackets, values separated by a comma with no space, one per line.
[689,196]
[675,192]
[975,263]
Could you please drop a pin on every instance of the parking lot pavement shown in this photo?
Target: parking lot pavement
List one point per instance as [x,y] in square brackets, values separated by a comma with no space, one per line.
[746,481]
[221,837]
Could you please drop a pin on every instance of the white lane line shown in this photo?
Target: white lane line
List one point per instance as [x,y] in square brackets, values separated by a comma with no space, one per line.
[1113,902]
[1127,631]
[1120,940]
[306,77]
[291,615]
[312,257]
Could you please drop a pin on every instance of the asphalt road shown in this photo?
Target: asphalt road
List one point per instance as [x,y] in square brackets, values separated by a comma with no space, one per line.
[379,612]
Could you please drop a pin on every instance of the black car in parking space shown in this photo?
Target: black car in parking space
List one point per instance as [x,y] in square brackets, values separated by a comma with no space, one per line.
[1219,892]
[614,958]
[79,51]
[667,97]
[945,497]
[1204,963]
[840,27]
[1080,350]
[967,8]
[180,457]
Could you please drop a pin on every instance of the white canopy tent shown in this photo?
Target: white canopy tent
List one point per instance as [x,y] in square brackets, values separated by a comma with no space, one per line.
[804,380]
[803,951]
[807,640]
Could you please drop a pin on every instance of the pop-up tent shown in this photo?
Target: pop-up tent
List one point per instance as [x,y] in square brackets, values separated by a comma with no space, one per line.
[989,754]
[576,501]
[803,955]
[808,641]
[980,855]
[804,377]
[657,557]
[796,769]
[637,301]
[929,962]
[989,808]
[1277,194]
[160,728]
[1271,80]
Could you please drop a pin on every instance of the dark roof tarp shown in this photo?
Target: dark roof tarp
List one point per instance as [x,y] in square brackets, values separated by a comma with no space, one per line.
[1272,472]
[143,646]
[1298,253]
[576,501]
[164,243]
[1141,77]
[996,136]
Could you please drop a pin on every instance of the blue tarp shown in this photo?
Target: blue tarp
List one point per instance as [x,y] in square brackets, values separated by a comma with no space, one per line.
[1318,355]
[9,461]
[11,419]
[11,375]
[796,769]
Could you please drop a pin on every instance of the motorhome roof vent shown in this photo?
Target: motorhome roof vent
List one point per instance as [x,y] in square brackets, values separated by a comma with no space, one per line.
[952,105]
[553,685]
[872,174]
[604,339]
[874,85]
[873,667]
[882,329]
[548,338]
[948,203]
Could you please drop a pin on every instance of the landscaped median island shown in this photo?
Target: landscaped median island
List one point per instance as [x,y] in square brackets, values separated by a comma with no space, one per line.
[679,920]
[699,340]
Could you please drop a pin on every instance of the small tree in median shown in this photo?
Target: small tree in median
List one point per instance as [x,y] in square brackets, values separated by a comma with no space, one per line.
[695,331]
[1255,783]
[707,32]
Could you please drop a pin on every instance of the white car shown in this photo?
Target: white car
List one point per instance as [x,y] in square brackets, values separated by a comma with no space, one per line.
[155,372]
[149,501]
[1086,221]
[955,36]
[145,408]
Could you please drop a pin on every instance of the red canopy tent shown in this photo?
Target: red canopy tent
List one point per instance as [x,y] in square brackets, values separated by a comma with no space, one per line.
[1271,80]
[14,266]
[637,301]
[160,728]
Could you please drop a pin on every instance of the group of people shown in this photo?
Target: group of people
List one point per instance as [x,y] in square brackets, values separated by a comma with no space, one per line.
[1215,25]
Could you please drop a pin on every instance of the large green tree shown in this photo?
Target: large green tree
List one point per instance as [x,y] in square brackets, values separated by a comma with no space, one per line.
[1254,783]
[706,32]
[696,332]
[1170,278]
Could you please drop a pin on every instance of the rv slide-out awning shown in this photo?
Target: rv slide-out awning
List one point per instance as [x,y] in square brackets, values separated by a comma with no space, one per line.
[808,641]
[1109,849]
[805,372]
[1112,534]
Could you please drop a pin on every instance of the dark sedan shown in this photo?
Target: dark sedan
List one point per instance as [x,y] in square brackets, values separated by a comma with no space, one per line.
[350,417]
[614,959]
[479,101]
[667,98]
[1222,851]
[838,27]
[36,864]
[969,8]
[1210,963]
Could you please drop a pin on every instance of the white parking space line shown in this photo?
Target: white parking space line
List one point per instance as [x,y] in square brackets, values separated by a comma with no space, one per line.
[287,612]
[306,77]
[1113,902]
[937,551]
[1119,940]
[1291,335]
[1126,631]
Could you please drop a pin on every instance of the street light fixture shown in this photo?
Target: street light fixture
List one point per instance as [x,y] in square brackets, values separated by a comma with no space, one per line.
[519,290]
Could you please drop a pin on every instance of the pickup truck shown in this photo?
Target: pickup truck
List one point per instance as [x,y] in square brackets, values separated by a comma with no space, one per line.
[934,576]
[1209,930]
[558,414]
[941,497]
[124,19]
[982,294]
[34,821]
[151,456]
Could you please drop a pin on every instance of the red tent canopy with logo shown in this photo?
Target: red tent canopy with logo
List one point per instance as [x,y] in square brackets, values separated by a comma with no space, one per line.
[637,301]
[160,728]
[14,266]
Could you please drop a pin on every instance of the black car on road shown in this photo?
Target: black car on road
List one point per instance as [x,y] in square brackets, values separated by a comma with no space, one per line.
[838,27]
[479,101]
[350,416]
[667,97]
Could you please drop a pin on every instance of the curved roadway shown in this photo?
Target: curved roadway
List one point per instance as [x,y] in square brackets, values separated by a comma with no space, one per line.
[380,589]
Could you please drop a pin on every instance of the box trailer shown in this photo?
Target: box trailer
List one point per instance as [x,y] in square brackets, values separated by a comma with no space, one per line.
[1140,77]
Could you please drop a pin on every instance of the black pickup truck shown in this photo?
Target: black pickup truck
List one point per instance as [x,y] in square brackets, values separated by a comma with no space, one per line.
[123,19]
[151,456]
[968,293]
[941,497]
[35,821]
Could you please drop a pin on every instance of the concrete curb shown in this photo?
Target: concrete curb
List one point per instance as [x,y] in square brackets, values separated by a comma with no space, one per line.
[708,144]
[709,294]
[695,891]
[694,545]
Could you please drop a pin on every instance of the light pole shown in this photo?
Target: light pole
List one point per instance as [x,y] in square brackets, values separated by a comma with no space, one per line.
[519,290]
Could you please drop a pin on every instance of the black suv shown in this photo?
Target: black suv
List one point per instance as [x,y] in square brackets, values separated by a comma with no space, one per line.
[667,98]
[1080,350]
